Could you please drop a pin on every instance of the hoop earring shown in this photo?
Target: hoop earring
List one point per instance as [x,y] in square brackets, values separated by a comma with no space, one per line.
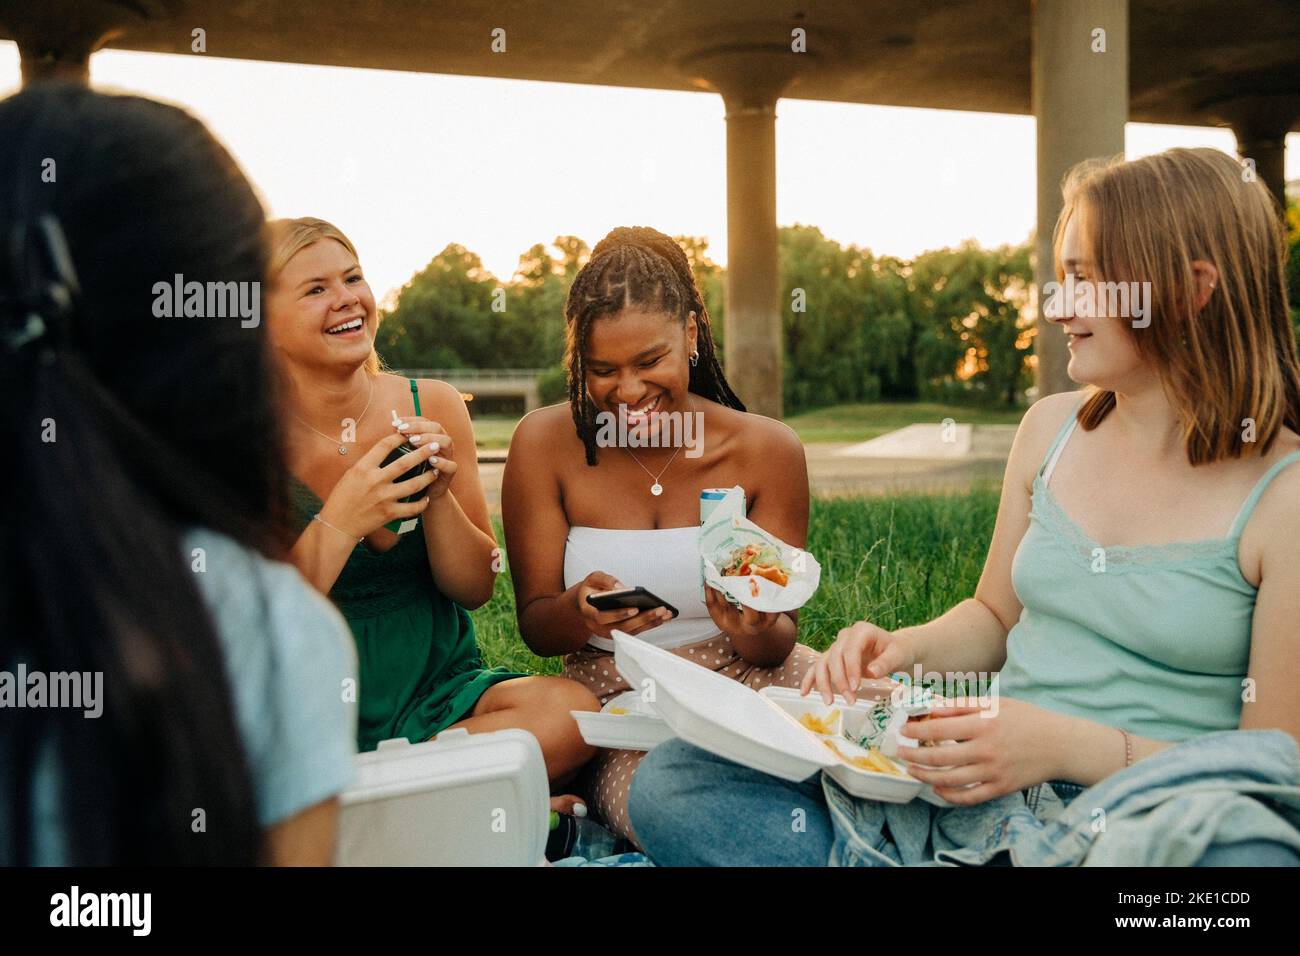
[695,357]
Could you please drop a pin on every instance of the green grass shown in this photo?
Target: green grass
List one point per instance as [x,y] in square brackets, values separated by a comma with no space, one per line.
[894,561]
[861,422]
[494,431]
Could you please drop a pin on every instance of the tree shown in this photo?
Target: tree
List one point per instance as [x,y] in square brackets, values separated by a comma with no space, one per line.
[711,279]
[855,327]
[842,327]
[456,314]
[970,305]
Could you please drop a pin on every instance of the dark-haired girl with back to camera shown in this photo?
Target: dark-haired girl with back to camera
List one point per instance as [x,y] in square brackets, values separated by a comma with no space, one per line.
[406,593]
[580,520]
[145,508]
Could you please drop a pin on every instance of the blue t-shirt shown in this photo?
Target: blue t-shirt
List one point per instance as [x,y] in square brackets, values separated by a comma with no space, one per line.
[292,670]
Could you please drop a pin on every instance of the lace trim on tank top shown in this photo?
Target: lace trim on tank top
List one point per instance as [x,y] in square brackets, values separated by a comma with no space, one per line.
[1119,557]
[1204,552]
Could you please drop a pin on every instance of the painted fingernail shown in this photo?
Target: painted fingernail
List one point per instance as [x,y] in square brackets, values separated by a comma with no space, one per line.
[579,809]
[434,446]
[416,439]
[630,612]
[402,426]
[433,461]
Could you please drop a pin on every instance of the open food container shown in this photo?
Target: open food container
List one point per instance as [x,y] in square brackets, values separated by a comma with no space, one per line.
[767,730]
[627,722]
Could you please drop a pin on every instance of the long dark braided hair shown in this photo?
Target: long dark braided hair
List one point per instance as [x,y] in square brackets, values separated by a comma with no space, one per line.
[636,266]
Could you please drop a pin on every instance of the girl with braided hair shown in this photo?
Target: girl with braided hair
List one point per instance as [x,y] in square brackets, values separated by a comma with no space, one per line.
[587,507]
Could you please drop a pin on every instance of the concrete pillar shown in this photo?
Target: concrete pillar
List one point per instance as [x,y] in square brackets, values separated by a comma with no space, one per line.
[1260,122]
[1080,101]
[750,81]
[1266,148]
[56,37]
[753,358]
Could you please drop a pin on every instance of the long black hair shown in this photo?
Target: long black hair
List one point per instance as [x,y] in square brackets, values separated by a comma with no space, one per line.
[126,429]
[636,266]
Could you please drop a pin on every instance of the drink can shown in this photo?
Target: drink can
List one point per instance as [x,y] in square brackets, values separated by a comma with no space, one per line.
[710,498]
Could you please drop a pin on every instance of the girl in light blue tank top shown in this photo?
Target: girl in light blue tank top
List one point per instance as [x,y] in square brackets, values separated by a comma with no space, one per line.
[1105,656]
[1155,673]
[1155,640]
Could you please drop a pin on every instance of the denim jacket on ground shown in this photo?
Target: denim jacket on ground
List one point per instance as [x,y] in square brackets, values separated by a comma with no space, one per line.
[1165,810]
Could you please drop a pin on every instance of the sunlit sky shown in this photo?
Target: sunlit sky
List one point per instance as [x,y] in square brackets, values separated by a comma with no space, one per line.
[406,163]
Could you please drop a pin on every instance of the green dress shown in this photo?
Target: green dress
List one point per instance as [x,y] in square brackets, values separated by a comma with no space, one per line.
[418,660]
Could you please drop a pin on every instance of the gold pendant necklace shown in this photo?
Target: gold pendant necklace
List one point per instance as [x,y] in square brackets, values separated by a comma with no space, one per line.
[343,449]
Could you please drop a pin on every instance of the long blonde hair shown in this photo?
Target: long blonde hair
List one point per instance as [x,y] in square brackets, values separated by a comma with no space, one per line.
[288,237]
[1233,360]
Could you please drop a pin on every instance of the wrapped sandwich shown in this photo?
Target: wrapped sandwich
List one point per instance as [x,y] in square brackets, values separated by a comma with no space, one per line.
[887,717]
[750,566]
[761,560]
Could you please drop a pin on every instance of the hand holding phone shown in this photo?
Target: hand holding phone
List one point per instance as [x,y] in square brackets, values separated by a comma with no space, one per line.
[369,493]
[638,598]
[419,468]
[623,613]
[422,434]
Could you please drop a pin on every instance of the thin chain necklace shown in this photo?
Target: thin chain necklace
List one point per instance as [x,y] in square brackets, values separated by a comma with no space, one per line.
[656,489]
[343,448]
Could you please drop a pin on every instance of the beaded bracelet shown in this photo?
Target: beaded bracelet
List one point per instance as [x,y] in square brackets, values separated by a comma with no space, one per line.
[1128,749]
[317,517]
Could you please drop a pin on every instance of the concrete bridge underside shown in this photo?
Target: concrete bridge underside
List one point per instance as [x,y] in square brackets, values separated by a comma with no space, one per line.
[1081,67]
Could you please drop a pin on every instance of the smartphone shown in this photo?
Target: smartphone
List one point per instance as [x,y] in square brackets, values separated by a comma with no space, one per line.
[405,448]
[638,598]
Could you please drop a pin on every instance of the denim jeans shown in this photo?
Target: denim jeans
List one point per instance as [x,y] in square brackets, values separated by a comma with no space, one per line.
[691,808]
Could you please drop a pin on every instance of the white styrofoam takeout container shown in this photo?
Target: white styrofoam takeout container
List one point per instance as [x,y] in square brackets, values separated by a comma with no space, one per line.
[460,800]
[852,715]
[638,729]
[756,730]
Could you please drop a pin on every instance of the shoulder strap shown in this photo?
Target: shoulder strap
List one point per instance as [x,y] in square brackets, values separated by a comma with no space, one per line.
[1248,506]
[1058,445]
[415,395]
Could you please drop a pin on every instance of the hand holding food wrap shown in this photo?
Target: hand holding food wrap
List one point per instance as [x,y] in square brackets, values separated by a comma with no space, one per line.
[750,566]
[876,741]
[887,717]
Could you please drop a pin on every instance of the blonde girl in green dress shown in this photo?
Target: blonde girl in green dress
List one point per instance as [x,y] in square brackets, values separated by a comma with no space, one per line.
[406,597]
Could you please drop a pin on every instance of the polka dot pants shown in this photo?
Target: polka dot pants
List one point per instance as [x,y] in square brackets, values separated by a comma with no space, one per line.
[604,782]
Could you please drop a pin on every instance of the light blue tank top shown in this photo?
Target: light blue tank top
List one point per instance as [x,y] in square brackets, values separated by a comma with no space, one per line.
[289,658]
[1154,640]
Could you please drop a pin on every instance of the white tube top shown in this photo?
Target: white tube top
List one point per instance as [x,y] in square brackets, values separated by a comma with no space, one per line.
[665,561]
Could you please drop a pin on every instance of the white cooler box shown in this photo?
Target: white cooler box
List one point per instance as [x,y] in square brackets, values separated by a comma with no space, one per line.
[461,800]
